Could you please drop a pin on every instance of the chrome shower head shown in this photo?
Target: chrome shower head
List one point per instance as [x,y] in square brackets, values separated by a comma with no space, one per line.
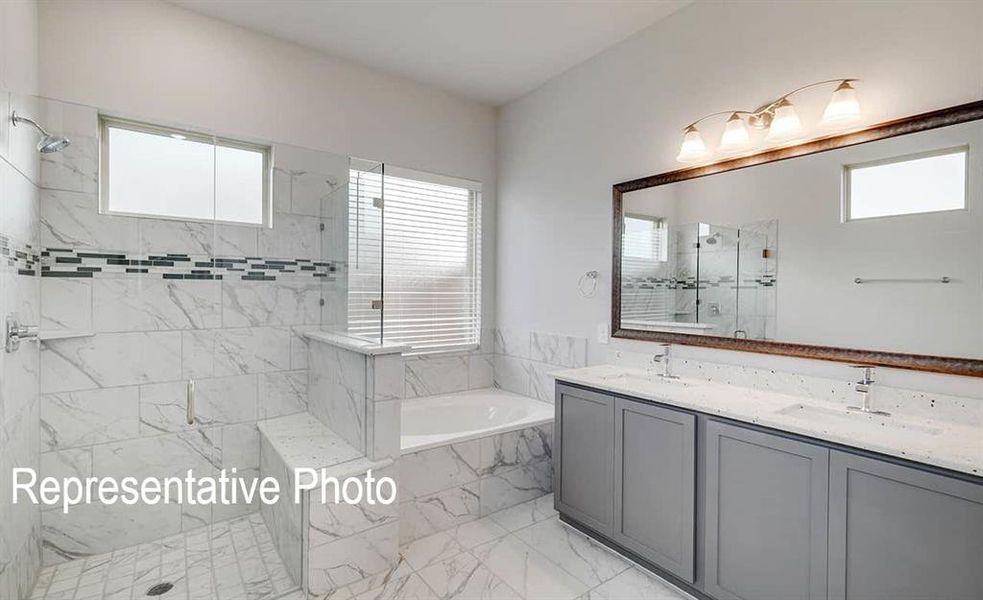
[49,143]
[712,239]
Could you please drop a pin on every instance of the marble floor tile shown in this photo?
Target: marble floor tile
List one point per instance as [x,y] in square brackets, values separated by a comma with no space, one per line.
[233,560]
[525,514]
[430,549]
[464,577]
[636,584]
[571,550]
[527,571]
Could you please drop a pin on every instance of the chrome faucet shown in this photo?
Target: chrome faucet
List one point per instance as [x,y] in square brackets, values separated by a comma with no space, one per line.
[664,359]
[863,387]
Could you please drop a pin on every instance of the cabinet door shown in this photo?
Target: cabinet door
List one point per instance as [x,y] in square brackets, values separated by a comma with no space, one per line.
[898,533]
[655,484]
[584,440]
[766,500]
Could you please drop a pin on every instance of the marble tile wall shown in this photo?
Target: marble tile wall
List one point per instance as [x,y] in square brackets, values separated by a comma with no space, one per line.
[443,487]
[113,401]
[523,360]
[358,396]
[347,543]
[427,375]
[20,524]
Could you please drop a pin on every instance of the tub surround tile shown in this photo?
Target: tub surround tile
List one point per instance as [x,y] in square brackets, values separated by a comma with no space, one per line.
[512,374]
[513,487]
[560,350]
[424,473]
[509,450]
[512,342]
[481,371]
[430,375]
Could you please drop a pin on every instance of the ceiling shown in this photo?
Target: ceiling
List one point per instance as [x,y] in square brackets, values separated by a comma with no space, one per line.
[492,51]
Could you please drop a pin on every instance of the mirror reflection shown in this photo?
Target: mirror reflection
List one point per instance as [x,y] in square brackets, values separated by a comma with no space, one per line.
[876,246]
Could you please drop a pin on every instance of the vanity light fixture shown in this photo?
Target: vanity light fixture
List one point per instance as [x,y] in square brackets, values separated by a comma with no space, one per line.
[778,117]
[693,148]
[736,137]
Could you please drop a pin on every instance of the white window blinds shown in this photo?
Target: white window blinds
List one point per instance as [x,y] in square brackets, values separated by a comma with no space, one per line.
[646,293]
[430,260]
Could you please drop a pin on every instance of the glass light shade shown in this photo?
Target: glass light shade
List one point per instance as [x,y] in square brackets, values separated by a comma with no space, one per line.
[843,108]
[693,148]
[786,124]
[735,137]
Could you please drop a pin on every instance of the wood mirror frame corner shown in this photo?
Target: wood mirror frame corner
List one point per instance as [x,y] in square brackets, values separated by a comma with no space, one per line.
[937,364]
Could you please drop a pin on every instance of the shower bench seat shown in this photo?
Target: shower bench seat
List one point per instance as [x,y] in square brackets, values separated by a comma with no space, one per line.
[325,545]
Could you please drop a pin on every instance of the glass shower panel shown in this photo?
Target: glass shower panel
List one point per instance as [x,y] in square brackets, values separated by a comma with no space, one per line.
[366,198]
[685,271]
[717,289]
[757,280]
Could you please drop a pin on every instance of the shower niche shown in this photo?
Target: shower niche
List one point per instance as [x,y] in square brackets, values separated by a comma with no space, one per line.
[698,278]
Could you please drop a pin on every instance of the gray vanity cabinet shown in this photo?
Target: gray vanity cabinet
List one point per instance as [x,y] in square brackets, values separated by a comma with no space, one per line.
[898,533]
[655,484]
[584,457]
[766,500]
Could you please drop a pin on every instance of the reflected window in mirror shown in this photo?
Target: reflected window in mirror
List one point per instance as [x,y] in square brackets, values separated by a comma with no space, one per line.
[906,185]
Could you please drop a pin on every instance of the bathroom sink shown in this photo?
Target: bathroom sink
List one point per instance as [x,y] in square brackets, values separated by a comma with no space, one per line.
[821,414]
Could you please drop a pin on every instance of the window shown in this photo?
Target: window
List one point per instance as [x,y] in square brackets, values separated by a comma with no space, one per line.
[906,185]
[645,238]
[151,171]
[430,232]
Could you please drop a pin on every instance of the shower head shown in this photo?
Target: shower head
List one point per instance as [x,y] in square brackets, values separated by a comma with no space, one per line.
[712,239]
[49,143]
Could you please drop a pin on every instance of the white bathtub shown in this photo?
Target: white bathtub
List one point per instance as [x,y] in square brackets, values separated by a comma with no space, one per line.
[449,418]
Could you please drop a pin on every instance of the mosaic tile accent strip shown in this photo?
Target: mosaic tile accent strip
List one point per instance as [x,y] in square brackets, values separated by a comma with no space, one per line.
[64,262]
[22,257]
[690,283]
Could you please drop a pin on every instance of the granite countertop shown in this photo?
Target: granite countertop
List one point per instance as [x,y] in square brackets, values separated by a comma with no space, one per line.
[946,444]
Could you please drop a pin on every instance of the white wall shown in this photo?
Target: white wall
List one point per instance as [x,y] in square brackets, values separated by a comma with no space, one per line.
[619,116]
[151,60]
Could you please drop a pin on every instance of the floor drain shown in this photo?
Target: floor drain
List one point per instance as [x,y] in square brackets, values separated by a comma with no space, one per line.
[160,589]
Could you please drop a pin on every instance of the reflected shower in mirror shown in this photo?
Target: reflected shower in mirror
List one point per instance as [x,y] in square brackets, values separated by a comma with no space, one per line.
[881,251]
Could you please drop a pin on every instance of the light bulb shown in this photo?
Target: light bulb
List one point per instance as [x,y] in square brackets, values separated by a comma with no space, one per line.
[735,137]
[843,108]
[786,124]
[693,148]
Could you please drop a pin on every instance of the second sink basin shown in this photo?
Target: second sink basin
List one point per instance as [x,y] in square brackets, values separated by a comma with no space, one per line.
[818,414]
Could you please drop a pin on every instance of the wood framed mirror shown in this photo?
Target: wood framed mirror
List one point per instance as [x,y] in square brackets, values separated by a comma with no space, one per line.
[865,247]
